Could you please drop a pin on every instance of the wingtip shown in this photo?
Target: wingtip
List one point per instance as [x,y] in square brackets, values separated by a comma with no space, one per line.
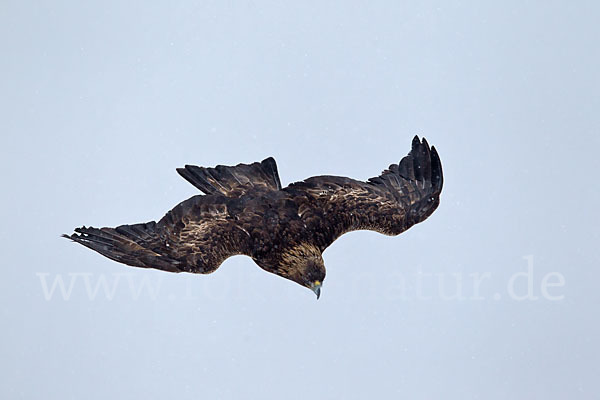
[416,141]
[436,171]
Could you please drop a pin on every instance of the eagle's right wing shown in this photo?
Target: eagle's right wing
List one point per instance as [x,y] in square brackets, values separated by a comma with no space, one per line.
[403,195]
[196,236]
[199,233]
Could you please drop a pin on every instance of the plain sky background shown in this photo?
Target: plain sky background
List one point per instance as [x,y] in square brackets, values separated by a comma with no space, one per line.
[101,101]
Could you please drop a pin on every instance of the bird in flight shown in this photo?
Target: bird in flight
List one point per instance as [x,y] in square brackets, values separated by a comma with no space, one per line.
[244,210]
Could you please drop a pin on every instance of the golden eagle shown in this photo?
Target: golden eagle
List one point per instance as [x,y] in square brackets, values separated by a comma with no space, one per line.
[244,210]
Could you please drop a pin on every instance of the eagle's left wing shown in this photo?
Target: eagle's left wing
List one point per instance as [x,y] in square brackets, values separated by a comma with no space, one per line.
[403,195]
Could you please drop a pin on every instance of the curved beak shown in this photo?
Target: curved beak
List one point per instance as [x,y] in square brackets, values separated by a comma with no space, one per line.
[317,290]
[316,287]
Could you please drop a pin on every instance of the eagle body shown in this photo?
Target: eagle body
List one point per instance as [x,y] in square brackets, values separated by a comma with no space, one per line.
[244,210]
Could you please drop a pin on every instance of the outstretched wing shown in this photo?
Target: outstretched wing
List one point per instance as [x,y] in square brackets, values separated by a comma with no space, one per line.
[233,181]
[195,236]
[403,195]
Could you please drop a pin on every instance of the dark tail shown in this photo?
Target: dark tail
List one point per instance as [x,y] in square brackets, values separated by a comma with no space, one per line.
[129,244]
[233,181]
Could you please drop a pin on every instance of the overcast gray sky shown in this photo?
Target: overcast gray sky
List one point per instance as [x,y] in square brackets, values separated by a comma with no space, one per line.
[495,296]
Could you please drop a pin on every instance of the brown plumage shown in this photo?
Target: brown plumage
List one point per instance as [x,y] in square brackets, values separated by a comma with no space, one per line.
[245,211]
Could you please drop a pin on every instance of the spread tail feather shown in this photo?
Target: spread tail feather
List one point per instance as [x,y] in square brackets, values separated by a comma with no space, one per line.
[233,181]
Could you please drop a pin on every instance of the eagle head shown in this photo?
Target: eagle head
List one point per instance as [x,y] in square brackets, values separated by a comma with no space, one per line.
[304,265]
